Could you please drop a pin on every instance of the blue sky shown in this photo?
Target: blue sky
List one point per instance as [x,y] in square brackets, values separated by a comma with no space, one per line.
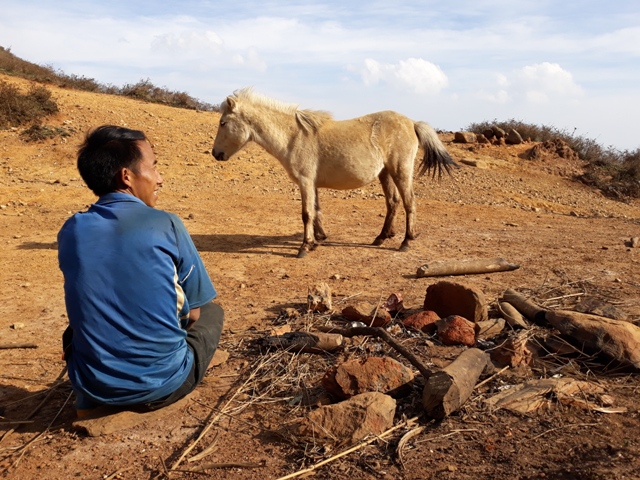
[574,65]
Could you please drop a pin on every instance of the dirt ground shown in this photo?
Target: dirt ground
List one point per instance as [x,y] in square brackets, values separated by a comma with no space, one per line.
[244,217]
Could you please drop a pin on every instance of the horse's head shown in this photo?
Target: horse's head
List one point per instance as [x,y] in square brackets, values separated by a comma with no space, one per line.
[233,131]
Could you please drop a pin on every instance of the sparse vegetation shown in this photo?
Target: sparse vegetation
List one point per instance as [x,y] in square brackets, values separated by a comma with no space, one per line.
[18,109]
[143,90]
[615,172]
[38,133]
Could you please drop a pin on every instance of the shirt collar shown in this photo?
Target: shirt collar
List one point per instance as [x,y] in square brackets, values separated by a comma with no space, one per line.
[117,197]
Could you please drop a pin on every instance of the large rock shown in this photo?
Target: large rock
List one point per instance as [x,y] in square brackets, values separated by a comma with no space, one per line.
[449,298]
[368,314]
[513,137]
[350,421]
[425,321]
[456,330]
[373,374]
[464,137]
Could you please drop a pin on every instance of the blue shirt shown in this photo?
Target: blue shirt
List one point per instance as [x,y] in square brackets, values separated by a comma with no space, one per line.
[131,274]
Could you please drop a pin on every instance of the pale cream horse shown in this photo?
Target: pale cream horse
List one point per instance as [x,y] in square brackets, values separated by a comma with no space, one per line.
[320,152]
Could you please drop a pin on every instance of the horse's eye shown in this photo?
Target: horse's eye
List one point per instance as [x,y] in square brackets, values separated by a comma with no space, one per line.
[222,124]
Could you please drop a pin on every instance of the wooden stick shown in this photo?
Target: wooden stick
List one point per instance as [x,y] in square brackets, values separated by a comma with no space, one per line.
[8,346]
[464,267]
[487,380]
[350,450]
[382,334]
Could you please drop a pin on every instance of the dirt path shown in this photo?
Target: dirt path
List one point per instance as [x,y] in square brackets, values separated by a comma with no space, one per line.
[244,216]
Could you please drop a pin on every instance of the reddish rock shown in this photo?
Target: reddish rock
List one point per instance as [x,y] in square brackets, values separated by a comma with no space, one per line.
[394,304]
[464,137]
[350,421]
[373,374]
[456,330]
[364,312]
[425,321]
[449,298]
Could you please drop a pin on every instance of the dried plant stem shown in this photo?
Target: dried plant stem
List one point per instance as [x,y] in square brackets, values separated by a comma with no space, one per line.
[491,377]
[353,449]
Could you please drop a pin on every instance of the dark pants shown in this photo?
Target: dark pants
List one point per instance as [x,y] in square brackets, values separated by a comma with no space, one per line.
[202,339]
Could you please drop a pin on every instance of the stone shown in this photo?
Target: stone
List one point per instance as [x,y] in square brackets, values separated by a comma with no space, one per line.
[372,374]
[513,137]
[394,304]
[425,321]
[349,421]
[456,330]
[490,328]
[368,314]
[498,132]
[464,137]
[488,134]
[319,298]
[450,298]
[513,351]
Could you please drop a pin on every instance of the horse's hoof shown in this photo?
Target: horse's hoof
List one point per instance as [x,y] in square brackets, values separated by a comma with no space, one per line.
[403,248]
[378,241]
[302,253]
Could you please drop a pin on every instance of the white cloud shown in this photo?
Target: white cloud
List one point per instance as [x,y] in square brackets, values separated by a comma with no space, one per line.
[251,60]
[543,79]
[420,76]
[188,42]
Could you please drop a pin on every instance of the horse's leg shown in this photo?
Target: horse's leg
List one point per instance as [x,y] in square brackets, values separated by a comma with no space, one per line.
[391,198]
[307,192]
[404,183]
[318,231]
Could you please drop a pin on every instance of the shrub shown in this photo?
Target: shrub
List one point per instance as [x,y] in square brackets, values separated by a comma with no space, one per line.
[19,109]
[614,172]
[38,133]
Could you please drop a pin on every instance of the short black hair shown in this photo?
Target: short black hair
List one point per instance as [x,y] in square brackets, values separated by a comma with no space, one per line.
[105,151]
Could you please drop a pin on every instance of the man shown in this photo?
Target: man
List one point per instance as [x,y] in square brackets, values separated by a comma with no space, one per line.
[142,328]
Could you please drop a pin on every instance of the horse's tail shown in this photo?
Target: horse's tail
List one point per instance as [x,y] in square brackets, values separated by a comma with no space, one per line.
[436,158]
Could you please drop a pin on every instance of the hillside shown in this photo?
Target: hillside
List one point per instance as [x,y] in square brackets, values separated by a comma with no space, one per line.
[244,217]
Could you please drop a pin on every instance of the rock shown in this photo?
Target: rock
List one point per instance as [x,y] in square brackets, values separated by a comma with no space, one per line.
[449,298]
[425,321]
[350,421]
[498,132]
[368,314]
[394,304]
[556,147]
[596,306]
[513,351]
[319,298]
[480,138]
[456,330]
[513,137]
[490,328]
[499,142]
[473,163]
[488,134]
[373,374]
[634,242]
[464,137]
[219,358]
[17,325]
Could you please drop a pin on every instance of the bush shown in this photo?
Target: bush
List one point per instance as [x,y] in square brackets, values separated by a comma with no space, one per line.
[38,133]
[616,173]
[19,109]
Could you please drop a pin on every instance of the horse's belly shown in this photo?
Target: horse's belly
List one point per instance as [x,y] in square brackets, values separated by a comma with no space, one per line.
[345,179]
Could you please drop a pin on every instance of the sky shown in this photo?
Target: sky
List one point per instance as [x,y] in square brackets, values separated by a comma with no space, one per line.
[573,65]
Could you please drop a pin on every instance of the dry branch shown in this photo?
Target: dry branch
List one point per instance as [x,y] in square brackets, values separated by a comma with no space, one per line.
[534,313]
[382,334]
[464,267]
[8,346]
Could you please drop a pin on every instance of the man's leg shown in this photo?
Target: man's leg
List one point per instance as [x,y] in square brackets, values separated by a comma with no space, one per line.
[203,338]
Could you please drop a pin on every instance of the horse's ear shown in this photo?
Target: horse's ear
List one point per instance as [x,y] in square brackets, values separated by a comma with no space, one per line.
[231,103]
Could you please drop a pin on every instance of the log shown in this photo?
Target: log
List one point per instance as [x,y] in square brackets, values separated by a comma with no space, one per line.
[532,312]
[305,342]
[464,267]
[512,316]
[447,390]
[617,339]
[8,346]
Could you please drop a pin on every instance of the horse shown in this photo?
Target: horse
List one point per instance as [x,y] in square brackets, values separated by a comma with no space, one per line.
[320,152]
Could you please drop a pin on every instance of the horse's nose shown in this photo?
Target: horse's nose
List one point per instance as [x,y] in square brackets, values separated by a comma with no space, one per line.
[217,155]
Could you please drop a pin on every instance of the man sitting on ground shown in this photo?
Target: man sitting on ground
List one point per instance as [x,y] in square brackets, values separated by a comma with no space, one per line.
[142,327]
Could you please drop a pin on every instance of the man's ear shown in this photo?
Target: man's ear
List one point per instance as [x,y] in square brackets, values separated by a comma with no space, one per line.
[124,177]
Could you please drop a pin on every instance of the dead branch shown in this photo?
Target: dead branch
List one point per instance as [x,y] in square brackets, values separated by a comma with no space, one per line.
[8,346]
[534,313]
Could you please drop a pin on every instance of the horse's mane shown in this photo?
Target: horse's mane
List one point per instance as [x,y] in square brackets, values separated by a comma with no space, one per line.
[309,120]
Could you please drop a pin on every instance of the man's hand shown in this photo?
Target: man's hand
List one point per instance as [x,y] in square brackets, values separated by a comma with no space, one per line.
[194,315]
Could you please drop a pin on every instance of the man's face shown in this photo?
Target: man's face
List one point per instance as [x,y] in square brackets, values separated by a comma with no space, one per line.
[145,180]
